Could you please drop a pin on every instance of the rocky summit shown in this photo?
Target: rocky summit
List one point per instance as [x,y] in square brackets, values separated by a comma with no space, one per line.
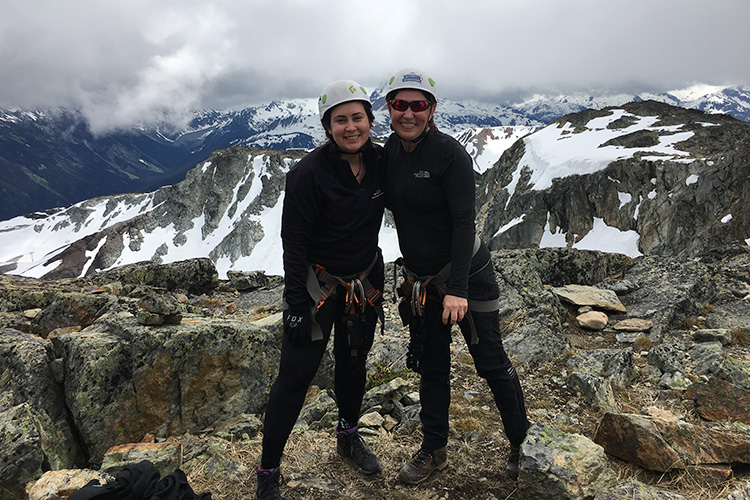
[170,364]
[137,332]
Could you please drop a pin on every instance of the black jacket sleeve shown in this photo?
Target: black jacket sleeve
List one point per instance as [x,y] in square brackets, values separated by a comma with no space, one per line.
[458,188]
[298,218]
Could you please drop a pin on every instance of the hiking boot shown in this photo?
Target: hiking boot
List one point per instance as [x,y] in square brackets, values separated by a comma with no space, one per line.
[513,459]
[268,484]
[350,445]
[422,465]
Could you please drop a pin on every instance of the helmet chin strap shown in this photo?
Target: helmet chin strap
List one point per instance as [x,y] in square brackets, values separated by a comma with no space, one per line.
[413,142]
[422,135]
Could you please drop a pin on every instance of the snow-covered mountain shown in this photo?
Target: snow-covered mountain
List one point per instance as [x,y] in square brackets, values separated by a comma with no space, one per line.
[228,208]
[642,178]
[637,179]
[486,145]
[50,158]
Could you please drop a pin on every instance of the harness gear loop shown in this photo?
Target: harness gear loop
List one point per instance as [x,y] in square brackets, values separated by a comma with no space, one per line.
[414,289]
[418,298]
[359,293]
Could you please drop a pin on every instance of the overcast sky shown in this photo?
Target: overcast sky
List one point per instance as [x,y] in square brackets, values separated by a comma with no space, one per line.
[128,60]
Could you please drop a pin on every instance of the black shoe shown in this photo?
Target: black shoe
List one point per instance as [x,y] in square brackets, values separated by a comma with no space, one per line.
[268,484]
[513,458]
[350,445]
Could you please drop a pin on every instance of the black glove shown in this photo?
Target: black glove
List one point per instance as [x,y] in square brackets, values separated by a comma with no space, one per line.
[297,326]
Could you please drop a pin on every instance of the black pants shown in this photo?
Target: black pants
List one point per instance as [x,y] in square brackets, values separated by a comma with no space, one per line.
[297,368]
[490,360]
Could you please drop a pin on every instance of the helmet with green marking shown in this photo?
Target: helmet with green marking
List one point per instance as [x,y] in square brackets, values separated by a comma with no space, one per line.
[339,92]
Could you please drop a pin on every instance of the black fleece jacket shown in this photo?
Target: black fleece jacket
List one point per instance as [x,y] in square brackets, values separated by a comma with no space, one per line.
[430,191]
[329,218]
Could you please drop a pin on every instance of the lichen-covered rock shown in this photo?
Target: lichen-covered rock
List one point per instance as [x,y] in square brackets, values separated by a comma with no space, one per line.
[636,490]
[663,442]
[126,380]
[31,398]
[166,457]
[245,281]
[194,275]
[555,464]
[22,456]
[319,413]
[711,359]
[71,309]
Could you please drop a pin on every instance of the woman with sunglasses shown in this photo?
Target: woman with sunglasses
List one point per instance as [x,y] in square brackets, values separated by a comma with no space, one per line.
[449,276]
[333,277]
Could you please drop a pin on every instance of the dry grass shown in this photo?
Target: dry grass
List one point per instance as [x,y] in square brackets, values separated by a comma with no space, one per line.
[642,343]
[741,336]
[477,446]
[310,458]
[517,319]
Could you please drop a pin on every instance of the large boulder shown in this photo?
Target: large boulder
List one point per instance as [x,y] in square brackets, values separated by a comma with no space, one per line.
[124,380]
[664,442]
[556,464]
[195,276]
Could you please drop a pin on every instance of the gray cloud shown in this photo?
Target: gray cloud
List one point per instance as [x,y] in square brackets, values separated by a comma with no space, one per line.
[122,62]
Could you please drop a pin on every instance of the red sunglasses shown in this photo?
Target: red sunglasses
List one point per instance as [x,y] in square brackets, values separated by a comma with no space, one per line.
[416,106]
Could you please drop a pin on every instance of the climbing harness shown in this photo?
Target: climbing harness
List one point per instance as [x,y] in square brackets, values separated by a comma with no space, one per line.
[416,290]
[359,293]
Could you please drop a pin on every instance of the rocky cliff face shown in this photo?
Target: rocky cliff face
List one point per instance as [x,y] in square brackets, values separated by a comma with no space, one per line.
[221,211]
[644,178]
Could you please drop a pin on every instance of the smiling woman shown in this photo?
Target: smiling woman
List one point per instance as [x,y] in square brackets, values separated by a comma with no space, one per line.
[448,276]
[333,277]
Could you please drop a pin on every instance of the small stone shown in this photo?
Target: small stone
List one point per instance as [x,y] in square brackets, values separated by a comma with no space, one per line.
[149,319]
[634,325]
[582,295]
[372,419]
[389,423]
[627,337]
[722,335]
[32,313]
[593,320]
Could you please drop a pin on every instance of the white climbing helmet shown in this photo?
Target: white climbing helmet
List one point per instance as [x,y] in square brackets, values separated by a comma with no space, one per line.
[412,78]
[339,92]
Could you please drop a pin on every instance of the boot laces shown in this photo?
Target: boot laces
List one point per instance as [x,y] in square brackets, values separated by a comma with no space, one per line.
[358,448]
[269,483]
[422,457]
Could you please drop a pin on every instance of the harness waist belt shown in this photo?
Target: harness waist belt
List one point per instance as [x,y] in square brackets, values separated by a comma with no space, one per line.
[414,290]
[359,293]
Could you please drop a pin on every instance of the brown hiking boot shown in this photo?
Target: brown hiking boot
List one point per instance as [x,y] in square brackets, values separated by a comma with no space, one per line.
[422,465]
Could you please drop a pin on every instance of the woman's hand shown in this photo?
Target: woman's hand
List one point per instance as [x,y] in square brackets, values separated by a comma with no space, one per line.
[454,309]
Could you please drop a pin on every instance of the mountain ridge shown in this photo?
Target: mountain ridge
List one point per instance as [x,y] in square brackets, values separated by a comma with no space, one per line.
[50,158]
[643,178]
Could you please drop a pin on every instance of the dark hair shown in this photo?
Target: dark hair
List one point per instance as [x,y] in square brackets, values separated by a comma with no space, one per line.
[326,120]
[428,97]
